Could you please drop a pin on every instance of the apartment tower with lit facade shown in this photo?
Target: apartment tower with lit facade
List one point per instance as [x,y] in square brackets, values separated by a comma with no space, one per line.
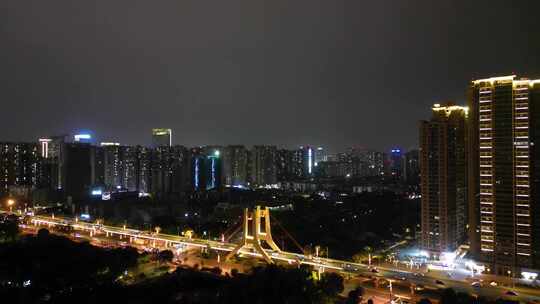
[443,178]
[504,174]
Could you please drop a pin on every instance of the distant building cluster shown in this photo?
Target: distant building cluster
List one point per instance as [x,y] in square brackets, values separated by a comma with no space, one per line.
[480,171]
[73,169]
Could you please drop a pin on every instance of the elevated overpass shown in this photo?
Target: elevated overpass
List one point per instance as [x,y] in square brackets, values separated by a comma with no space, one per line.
[432,280]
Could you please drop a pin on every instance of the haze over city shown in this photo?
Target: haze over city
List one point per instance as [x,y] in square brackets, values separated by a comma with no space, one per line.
[266,72]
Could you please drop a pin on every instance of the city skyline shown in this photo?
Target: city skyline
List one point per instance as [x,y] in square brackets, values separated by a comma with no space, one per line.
[326,80]
[270,151]
[91,137]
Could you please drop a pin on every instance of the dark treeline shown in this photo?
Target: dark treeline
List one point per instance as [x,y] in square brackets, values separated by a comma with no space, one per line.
[359,220]
[47,266]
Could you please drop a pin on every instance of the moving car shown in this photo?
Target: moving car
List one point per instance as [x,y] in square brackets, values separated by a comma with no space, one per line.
[511,293]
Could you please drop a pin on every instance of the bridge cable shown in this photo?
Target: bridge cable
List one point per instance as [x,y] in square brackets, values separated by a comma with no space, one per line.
[287,234]
[235,228]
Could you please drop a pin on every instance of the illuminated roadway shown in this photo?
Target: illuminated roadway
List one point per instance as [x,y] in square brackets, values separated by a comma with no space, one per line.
[399,277]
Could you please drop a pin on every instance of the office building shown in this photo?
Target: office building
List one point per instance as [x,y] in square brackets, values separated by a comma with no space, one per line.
[444,178]
[504,173]
[161,138]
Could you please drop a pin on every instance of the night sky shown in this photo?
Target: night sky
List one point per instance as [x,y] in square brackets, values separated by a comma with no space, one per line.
[332,73]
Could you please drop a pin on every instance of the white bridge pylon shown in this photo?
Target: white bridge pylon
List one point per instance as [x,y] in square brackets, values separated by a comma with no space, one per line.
[257,235]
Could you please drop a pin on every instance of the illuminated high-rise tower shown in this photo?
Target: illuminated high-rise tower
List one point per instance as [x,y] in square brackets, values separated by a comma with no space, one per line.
[161,138]
[306,160]
[264,165]
[443,178]
[235,165]
[206,168]
[504,173]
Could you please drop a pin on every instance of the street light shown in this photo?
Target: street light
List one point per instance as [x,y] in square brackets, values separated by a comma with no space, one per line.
[511,278]
[10,203]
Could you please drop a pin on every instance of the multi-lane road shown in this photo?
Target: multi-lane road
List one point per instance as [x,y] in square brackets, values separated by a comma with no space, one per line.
[430,280]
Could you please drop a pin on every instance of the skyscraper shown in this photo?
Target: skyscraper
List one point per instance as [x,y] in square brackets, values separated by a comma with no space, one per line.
[77,171]
[144,169]
[161,138]
[235,165]
[19,167]
[52,153]
[320,155]
[285,165]
[113,166]
[411,168]
[264,165]
[83,137]
[504,173]
[213,169]
[396,163]
[307,155]
[444,173]
[169,170]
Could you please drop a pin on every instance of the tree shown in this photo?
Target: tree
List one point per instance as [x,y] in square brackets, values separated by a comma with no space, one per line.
[43,233]
[165,256]
[504,301]
[464,298]
[331,284]
[216,270]
[9,228]
[355,295]
[449,296]
[274,284]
